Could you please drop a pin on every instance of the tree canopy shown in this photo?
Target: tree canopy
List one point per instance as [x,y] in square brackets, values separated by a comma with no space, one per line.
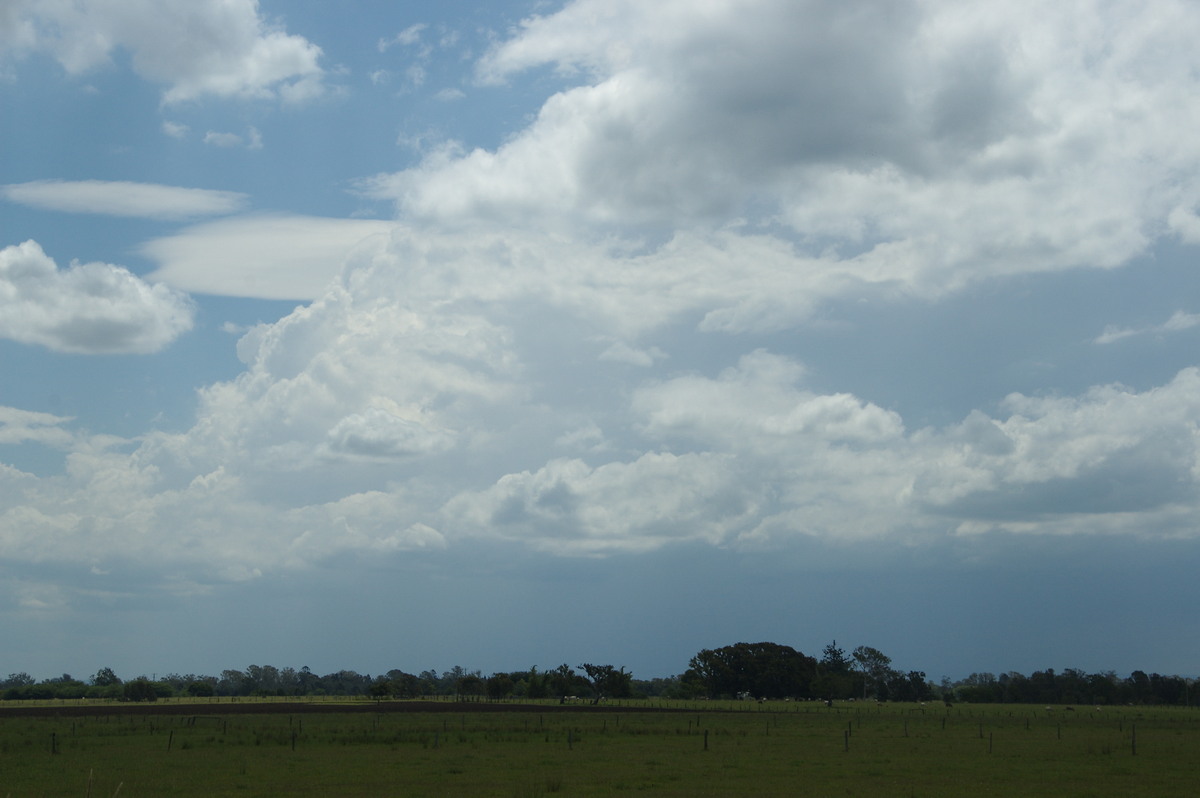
[766,670]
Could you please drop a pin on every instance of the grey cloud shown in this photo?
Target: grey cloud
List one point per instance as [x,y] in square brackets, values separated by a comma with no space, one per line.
[917,146]
[568,507]
[981,434]
[1152,475]
[378,433]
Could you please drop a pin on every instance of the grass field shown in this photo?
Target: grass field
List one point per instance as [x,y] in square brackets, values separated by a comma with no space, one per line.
[710,748]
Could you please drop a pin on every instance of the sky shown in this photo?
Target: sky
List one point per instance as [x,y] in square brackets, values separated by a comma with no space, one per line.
[376,335]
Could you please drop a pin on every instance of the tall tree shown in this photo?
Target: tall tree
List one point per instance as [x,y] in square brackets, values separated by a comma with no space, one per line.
[105,678]
[607,681]
[835,674]
[562,680]
[874,664]
[834,659]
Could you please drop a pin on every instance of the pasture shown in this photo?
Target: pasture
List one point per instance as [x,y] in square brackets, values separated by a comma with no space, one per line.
[650,748]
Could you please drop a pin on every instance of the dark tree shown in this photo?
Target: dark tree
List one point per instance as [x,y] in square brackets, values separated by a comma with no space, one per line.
[140,690]
[470,684]
[766,670]
[201,688]
[499,685]
[105,678]
[911,686]
[537,685]
[608,682]
[875,666]
[21,679]
[835,674]
[564,681]
[834,659]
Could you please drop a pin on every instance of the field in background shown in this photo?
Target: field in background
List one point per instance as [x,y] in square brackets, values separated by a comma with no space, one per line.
[438,748]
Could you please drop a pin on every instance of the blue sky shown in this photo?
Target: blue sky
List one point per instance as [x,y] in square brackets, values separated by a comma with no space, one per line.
[373,335]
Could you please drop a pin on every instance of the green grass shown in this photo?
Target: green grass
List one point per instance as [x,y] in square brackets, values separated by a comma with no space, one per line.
[781,748]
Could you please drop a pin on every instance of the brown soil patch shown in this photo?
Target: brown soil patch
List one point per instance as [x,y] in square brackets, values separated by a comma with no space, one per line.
[14,709]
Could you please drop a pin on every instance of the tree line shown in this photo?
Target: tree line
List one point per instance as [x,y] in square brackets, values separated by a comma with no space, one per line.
[742,670]
[593,681]
[769,670]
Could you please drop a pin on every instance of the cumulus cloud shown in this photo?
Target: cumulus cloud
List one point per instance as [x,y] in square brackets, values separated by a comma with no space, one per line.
[92,308]
[197,48]
[713,178]
[928,145]
[123,198]
[1082,464]
[757,405]
[568,507]
[366,422]
[377,432]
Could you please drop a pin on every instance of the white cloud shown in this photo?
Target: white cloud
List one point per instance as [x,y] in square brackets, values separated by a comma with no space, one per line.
[376,420]
[92,308]
[195,47]
[19,426]
[415,73]
[926,145]
[406,38]
[716,175]
[1178,322]
[252,140]
[414,76]
[757,405]
[268,256]
[226,140]
[1111,460]
[175,130]
[123,198]
[567,507]
[1186,224]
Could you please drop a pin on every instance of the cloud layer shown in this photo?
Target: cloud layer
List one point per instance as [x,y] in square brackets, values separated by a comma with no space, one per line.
[507,362]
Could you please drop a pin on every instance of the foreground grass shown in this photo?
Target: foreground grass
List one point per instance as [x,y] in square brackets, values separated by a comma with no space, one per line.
[796,749]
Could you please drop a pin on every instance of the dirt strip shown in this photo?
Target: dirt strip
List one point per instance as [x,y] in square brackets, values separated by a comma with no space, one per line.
[14,709]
